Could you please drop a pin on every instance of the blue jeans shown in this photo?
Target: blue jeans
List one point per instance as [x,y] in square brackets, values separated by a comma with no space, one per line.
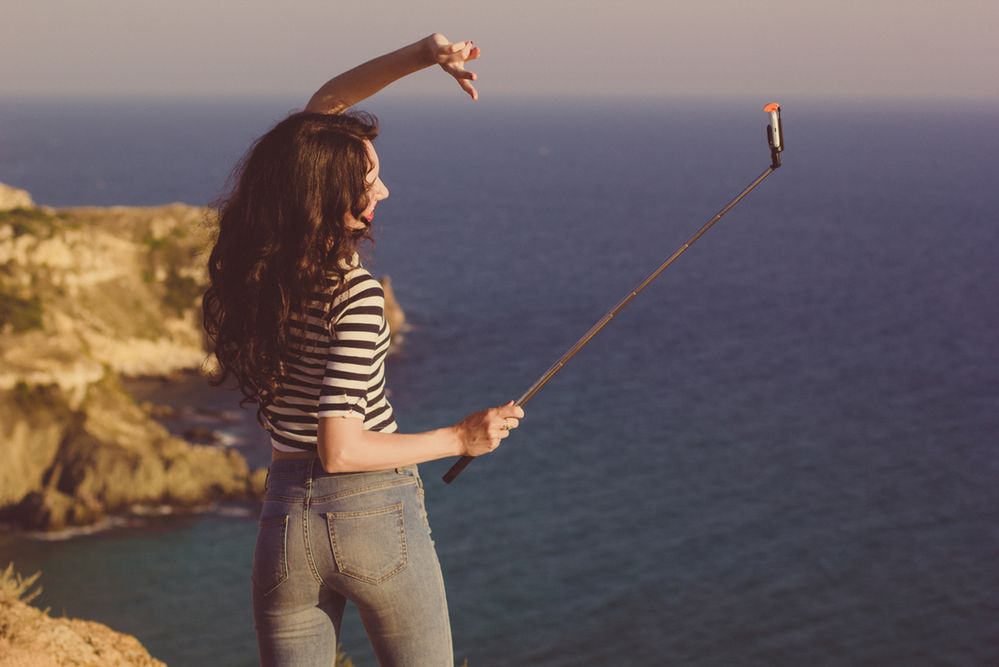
[327,538]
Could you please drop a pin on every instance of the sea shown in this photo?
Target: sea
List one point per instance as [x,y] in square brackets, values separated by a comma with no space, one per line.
[784,452]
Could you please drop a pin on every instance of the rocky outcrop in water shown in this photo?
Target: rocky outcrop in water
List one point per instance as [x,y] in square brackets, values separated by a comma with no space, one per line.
[74,464]
[393,312]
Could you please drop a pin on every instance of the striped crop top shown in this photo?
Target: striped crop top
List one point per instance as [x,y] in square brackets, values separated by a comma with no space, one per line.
[338,375]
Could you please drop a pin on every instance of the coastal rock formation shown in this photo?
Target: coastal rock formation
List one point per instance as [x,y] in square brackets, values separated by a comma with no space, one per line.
[109,457]
[87,296]
[82,288]
[393,312]
[14,198]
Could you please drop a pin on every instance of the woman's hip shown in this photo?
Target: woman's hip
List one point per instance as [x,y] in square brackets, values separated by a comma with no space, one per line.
[347,531]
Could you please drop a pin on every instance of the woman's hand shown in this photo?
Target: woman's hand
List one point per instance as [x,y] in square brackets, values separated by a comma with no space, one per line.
[452,56]
[481,432]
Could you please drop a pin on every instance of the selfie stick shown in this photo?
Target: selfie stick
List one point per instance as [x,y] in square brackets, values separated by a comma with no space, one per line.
[775,137]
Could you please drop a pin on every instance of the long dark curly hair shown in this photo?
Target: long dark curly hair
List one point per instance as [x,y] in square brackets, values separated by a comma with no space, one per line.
[282,233]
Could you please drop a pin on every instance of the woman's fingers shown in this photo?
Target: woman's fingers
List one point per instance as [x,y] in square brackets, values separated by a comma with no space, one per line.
[464,80]
[469,52]
[469,88]
[509,424]
[511,409]
[468,49]
[458,51]
[452,58]
[462,76]
[483,431]
[460,73]
[504,418]
[508,416]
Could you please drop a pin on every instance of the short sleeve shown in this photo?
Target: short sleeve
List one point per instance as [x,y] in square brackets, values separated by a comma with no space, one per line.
[356,319]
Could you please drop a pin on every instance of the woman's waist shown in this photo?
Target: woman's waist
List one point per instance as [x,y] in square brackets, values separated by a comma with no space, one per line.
[297,476]
[298,455]
[305,441]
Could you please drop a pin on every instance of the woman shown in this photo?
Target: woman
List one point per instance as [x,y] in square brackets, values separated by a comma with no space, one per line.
[300,324]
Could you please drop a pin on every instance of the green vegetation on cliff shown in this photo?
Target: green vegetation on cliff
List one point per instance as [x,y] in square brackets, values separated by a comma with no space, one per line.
[34,221]
[19,314]
[107,281]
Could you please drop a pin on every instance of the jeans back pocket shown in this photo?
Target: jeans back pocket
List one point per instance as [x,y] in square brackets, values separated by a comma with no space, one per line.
[270,555]
[369,545]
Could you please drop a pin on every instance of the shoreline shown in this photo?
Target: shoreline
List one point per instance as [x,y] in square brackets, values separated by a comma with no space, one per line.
[136,517]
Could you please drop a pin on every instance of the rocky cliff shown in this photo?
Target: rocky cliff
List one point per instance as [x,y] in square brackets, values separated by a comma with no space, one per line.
[29,637]
[14,198]
[89,295]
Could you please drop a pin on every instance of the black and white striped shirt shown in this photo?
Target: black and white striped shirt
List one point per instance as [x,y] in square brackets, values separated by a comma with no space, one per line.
[338,375]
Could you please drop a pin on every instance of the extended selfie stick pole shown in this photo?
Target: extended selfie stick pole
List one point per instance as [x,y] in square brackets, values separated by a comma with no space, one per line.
[775,137]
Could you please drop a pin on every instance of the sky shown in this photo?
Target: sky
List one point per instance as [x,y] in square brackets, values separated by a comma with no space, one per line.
[771,48]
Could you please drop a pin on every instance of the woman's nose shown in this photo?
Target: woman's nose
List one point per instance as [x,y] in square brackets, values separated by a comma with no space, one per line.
[384,192]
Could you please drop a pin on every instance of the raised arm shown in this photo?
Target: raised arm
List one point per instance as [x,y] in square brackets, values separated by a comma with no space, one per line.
[345,90]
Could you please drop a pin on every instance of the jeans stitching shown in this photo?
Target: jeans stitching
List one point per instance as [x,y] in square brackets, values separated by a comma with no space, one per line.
[440,584]
[305,522]
[281,606]
[342,494]
[396,508]
[363,489]
[283,561]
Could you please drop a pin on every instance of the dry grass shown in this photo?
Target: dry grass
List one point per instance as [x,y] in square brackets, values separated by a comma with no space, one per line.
[15,587]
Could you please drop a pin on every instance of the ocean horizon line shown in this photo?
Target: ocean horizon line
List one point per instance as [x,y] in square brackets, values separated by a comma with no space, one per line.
[392,97]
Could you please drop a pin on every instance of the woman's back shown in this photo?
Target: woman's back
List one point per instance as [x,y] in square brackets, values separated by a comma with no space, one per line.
[338,374]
